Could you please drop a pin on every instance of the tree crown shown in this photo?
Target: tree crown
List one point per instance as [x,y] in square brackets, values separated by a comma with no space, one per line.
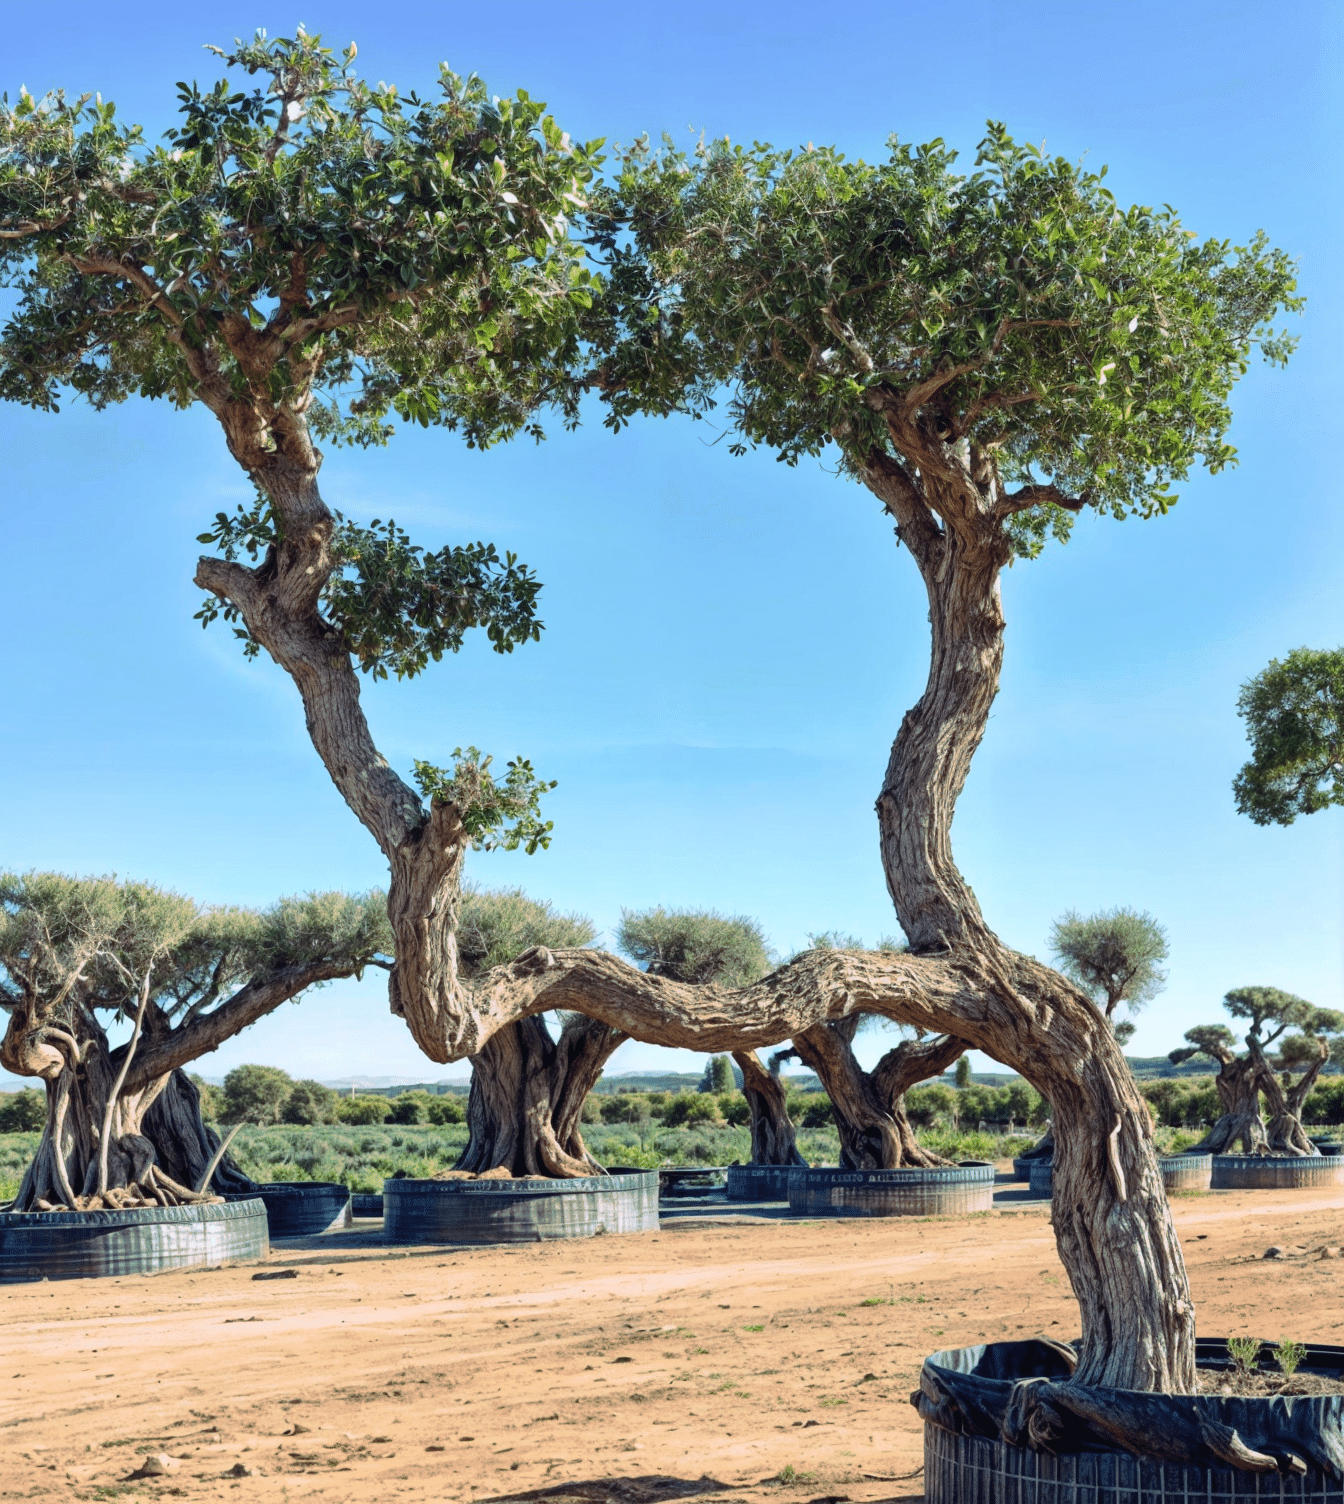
[695,945]
[496,925]
[1115,956]
[1294,715]
[1015,318]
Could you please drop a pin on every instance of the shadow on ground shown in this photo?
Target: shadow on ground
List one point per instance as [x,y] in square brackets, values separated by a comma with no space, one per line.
[654,1489]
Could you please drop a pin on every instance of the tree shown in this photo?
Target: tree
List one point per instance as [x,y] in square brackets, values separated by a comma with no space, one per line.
[528,1085]
[256,1094]
[869,1106]
[307,258]
[963,1075]
[122,1125]
[991,354]
[23,1112]
[718,1076]
[1242,1079]
[362,1112]
[1294,714]
[1114,956]
[309,1103]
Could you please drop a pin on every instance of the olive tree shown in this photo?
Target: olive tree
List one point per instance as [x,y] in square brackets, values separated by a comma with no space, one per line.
[991,354]
[1294,714]
[307,256]
[123,1123]
[1115,956]
[1243,1079]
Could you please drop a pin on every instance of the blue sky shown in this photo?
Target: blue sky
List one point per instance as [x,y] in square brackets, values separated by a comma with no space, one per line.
[730,644]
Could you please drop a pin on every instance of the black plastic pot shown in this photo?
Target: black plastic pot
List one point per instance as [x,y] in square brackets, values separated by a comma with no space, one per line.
[365,1204]
[1186,1172]
[519,1211]
[1022,1168]
[892,1193]
[977,1416]
[1264,1172]
[1041,1174]
[301,1208]
[758,1182]
[143,1240]
[1328,1146]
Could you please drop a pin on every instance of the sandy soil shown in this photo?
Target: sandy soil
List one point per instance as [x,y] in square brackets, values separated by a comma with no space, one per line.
[709,1359]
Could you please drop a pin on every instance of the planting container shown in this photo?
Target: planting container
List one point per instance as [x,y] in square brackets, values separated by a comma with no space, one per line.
[976,1447]
[683,1181]
[758,1182]
[1250,1172]
[300,1208]
[519,1211]
[1186,1172]
[968,1187]
[1041,1175]
[141,1240]
[365,1204]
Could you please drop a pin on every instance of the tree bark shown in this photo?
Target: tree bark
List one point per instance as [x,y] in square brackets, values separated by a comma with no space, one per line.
[1284,1101]
[869,1107]
[526,1101]
[1238,1086]
[774,1139]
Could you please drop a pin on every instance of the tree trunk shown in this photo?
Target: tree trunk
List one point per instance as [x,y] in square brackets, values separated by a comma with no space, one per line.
[1284,1101]
[152,1142]
[869,1107]
[1238,1085]
[774,1139]
[526,1100]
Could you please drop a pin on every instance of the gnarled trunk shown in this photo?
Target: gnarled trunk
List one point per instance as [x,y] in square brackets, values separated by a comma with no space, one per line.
[1285,1099]
[869,1106]
[527,1095]
[774,1139]
[151,1142]
[1238,1086]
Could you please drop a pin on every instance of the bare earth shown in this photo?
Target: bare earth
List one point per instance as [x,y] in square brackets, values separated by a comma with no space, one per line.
[706,1360]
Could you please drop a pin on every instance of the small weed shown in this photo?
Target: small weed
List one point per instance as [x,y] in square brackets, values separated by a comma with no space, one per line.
[834,1402]
[874,1300]
[695,1350]
[753,1328]
[790,1474]
[842,1313]
[1243,1351]
[1288,1355]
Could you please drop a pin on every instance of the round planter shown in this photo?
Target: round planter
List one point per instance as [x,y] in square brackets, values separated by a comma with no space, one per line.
[1328,1146]
[519,1211]
[1022,1167]
[758,1182]
[684,1181]
[1186,1172]
[365,1204]
[300,1208]
[971,1389]
[143,1240]
[892,1193]
[1041,1176]
[1264,1172]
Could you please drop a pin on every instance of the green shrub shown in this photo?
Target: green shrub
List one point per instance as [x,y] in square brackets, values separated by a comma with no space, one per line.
[626,1108]
[591,1111]
[364,1110]
[256,1094]
[927,1105]
[734,1108]
[23,1112]
[309,1102]
[813,1110]
[448,1109]
[689,1107]
[212,1098]
[408,1107]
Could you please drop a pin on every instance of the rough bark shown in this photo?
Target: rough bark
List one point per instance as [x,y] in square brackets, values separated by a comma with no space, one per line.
[774,1139]
[1284,1100]
[1238,1086]
[526,1100]
[869,1107]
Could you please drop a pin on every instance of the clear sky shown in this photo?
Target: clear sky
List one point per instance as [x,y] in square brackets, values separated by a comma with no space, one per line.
[730,644]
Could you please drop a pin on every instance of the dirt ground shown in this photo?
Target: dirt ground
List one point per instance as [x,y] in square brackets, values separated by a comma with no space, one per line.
[732,1358]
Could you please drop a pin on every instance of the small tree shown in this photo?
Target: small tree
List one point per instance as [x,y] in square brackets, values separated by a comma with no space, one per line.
[309,1103]
[1115,956]
[718,1076]
[256,1094]
[962,1077]
[23,1112]
[362,1112]
[123,1124]
[1294,714]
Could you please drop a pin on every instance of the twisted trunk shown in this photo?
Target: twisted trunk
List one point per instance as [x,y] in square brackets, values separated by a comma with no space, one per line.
[774,1139]
[1238,1087]
[1284,1100]
[869,1107]
[527,1095]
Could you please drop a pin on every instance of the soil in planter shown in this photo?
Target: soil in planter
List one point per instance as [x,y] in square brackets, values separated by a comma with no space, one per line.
[1229,1381]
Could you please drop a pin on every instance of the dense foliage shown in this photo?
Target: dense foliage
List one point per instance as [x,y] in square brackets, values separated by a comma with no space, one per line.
[495,925]
[1294,714]
[1114,956]
[695,945]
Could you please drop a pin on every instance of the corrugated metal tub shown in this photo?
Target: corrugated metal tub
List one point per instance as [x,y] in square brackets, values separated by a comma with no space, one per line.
[968,1187]
[519,1211]
[1261,1172]
[759,1182]
[141,1240]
